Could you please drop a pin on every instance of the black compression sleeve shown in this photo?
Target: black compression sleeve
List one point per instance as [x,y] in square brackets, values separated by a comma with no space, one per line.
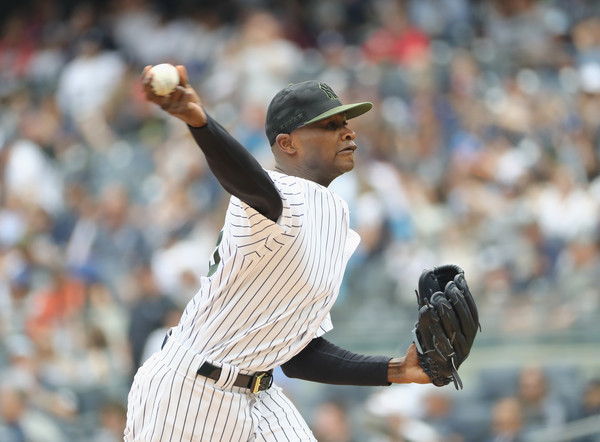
[322,361]
[237,170]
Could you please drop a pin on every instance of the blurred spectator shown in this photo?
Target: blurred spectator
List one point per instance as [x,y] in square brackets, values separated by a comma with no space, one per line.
[19,421]
[16,49]
[106,241]
[443,18]
[84,103]
[107,313]
[258,59]
[56,304]
[15,293]
[587,61]
[589,407]
[156,338]
[577,266]
[30,172]
[156,32]
[144,34]
[331,422]
[34,370]
[398,40]
[397,414]
[147,313]
[442,414]
[180,262]
[45,66]
[526,32]
[113,416]
[507,421]
[564,209]
[540,408]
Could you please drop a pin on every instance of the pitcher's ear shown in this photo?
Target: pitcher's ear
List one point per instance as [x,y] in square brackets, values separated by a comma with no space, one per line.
[285,143]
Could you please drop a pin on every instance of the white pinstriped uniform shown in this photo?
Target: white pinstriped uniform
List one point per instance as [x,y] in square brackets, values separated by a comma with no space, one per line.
[269,297]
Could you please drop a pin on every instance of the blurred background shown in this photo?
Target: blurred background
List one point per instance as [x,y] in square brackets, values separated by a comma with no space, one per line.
[483,150]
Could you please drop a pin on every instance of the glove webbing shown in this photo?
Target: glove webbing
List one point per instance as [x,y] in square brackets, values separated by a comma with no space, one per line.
[458,384]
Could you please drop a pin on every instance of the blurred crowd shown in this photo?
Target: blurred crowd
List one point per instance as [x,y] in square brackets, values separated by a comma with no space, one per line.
[483,150]
[532,403]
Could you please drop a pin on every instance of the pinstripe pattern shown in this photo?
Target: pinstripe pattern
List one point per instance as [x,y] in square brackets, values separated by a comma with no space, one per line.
[275,283]
[268,296]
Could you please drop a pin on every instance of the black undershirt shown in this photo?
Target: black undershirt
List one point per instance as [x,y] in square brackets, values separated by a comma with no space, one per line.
[237,170]
[322,361]
[241,175]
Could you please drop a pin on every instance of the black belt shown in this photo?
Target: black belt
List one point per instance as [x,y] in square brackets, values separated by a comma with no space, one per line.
[258,382]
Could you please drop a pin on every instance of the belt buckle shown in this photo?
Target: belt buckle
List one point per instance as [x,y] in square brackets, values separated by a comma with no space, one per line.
[255,388]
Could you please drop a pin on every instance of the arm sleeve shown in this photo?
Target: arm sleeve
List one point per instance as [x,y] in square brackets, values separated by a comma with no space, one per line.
[322,361]
[237,170]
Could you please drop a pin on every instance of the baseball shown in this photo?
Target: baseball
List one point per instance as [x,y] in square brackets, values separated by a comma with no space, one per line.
[165,78]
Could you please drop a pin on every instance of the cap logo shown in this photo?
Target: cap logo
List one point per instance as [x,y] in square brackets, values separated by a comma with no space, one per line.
[328,91]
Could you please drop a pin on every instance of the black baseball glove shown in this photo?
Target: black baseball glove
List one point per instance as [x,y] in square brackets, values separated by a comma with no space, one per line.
[447,323]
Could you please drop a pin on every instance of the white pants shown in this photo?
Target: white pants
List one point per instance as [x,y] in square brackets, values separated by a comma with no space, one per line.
[168,401]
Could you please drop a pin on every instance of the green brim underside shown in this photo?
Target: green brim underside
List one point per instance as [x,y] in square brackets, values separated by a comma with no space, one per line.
[351,110]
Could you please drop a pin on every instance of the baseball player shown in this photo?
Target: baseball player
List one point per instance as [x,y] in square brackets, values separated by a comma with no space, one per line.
[274,276]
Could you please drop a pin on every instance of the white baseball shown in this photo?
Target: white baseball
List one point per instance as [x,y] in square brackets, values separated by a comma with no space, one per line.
[165,78]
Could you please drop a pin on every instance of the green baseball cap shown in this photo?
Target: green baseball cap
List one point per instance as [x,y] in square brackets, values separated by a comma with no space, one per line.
[303,103]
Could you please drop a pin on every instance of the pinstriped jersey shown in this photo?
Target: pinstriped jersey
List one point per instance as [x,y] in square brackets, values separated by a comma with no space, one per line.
[271,284]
